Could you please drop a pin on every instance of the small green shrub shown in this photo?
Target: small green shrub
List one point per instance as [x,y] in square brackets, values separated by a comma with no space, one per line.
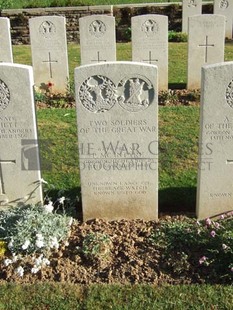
[3,248]
[168,97]
[97,246]
[193,95]
[177,36]
[127,34]
[206,246]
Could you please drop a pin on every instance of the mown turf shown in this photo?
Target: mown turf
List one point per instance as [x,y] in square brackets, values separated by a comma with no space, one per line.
[117,297]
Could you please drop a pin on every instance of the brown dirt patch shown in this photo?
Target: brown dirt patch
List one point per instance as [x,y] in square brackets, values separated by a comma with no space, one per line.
[133,258]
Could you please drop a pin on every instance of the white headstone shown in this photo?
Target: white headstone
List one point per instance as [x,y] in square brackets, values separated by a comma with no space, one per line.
[118,140]
[49,52]
[5,40]
[97,39]
[190,8]
[150,43]
[206,41]
[215,186]
[225,7]
[19,155]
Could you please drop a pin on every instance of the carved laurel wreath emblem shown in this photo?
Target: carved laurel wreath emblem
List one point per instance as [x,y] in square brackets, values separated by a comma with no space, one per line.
[47,29]
[224,4]
[4,96]
[229,94]
[150,27]
[97,28]
[99,94]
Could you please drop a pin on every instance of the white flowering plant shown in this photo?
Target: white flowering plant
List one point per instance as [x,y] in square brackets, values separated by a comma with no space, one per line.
[33,229]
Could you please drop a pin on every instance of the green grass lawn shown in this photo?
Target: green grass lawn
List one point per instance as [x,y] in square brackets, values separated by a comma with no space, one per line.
[116,297]
[57,3]
[177,58]
[178,146]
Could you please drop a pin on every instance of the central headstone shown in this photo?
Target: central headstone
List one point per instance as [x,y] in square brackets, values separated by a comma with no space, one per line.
[5,41]
[150,43]
[215,185]
[19,155]
[118,140]
[206,41]
[49,53]
[97,39]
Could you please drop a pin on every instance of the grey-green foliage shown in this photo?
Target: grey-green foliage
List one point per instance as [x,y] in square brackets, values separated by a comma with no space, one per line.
[174,36]
[97,245]
[30,224]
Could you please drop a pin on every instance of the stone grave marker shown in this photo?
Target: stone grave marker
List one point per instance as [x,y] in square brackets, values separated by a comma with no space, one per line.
[206,41]
[49,52]
[5,40]
[190,8]
[150,43]
[118,140]
[215,186]
[225,7]
[19,154]
[97,39]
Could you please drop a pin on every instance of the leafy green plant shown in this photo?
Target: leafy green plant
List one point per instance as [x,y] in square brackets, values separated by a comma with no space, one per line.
[97,246]
[193,95]
[3,247]
[127,34]
[39,96]
[200,245]
[177,36]
[168,97]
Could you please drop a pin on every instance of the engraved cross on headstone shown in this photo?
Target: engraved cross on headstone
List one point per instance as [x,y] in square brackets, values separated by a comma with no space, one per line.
[206,45]
[2,187]
[98,58]
[50,61]
[230,161]
[150,60]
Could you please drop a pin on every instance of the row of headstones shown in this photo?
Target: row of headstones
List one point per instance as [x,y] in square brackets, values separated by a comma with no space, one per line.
[221,7]
[98,44]
[117,117]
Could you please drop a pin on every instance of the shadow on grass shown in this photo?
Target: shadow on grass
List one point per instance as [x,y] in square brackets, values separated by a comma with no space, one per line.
[74,195]
[172,201]
[177,200]
[177,85]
